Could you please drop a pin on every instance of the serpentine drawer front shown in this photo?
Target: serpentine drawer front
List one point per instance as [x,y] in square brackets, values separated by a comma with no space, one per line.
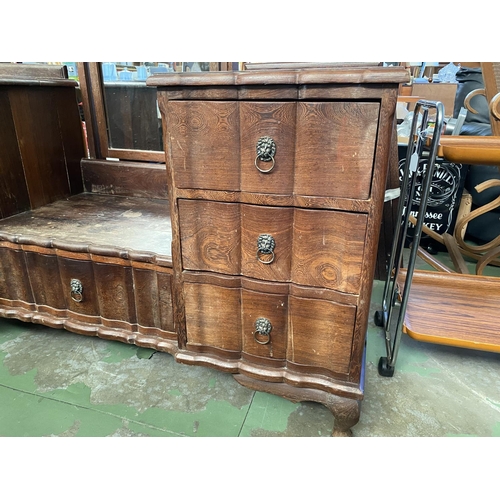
[304,246]
[317,148]
[86,293]
[277,183]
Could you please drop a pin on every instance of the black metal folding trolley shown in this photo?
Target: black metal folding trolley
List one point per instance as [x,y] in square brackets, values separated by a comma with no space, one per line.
[419,165]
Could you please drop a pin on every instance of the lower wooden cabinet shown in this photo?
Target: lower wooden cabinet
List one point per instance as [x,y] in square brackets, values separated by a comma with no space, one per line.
[87,293]
[277,184]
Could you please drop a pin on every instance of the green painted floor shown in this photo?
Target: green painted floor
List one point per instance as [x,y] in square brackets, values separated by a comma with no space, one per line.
[56,383]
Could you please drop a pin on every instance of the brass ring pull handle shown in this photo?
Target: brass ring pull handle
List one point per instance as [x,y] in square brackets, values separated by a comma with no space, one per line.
[266,149]
[469,96]
[265,247]
[495,106]
[76,290]
[263,328]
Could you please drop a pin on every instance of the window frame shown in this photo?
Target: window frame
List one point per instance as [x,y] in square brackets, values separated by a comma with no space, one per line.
[94,110]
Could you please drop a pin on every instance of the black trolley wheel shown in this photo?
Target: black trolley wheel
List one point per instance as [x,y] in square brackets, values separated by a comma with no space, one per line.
[384,369]
[379,318]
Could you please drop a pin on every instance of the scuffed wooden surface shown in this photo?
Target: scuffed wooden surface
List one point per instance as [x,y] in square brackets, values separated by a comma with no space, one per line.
[140,224]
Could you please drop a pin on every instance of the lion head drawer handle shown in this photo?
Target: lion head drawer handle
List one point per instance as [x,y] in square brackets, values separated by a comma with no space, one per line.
[266,149]
[265,247]
[76,290]
[263,328]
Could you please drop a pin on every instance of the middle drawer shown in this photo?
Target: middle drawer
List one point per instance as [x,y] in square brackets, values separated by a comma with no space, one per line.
[320,248]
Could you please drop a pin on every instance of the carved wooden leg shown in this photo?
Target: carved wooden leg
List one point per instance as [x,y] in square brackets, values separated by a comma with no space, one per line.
[346,413]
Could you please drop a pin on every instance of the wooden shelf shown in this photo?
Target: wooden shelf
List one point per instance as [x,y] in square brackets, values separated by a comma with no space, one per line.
[476,150]
[106,221]
[452,309]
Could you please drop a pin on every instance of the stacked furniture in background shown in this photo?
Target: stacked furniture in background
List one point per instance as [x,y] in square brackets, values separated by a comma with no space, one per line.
[486,227]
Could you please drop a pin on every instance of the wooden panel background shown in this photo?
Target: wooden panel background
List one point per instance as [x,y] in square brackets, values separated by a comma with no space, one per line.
[14,196]
[41,143]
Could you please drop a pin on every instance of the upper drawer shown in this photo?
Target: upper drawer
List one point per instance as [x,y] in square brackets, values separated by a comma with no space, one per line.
[320,148]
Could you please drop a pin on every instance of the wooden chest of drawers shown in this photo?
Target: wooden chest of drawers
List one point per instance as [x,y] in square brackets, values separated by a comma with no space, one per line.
[276,188]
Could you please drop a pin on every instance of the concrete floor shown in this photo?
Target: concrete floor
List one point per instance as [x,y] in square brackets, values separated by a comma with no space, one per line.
[56,383]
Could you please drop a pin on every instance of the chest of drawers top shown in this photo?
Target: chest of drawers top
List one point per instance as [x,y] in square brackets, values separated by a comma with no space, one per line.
[322,126]
[298,77]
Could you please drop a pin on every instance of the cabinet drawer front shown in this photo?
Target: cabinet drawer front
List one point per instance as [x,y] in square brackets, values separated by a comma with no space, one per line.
[45,281]
[273,309]
[213,316]
[320,334]
[88,303]
[320,248]
[115,292]
[335,148]
[210,236]
[153,300]
[277,223]
[14,281]
[204,142]
[323,149]
[267,119]
[328,249]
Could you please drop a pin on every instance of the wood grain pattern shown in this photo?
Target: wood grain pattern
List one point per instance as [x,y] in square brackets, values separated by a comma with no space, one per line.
[45,282]
[207,245]
[165,302]
[347,205]
[453,309]
[88,309]
[272,307]
[39,74]
[328,249]
[213,316]
[204,144]
[177,288]
[276,120]
[335,147]
[94,220]
[320,334]
[115,293]
[14,196]
[147,298]
[14,280]
[323,149]
[278,223]
[285,77]
[144,180]
[71,136]
[345,408]
[40,144]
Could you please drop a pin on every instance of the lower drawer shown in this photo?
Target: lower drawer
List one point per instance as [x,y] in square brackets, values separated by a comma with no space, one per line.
[92,290]
[15,289]
[291,326]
